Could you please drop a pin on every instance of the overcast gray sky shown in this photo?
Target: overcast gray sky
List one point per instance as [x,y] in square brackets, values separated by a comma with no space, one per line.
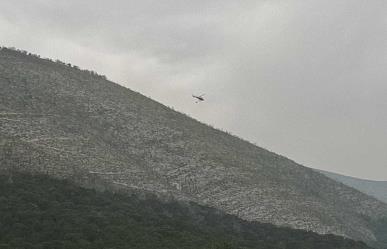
[304,78]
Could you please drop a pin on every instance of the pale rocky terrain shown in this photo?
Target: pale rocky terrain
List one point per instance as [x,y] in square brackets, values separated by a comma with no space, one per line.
[70,123]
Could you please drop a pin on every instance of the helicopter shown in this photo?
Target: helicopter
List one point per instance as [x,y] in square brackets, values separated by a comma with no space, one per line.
[199,98]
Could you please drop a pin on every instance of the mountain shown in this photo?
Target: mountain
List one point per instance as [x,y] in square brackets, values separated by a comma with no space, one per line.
[66,122]
[40,212]
[377,189]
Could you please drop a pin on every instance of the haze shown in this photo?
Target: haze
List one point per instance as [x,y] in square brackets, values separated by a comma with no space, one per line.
[305,79]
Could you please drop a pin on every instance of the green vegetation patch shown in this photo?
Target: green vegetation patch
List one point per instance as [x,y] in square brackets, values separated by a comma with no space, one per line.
[39,212]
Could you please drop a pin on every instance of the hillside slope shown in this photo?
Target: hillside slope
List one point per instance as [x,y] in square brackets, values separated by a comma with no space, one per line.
[41,212]
[377,189]
[67,122]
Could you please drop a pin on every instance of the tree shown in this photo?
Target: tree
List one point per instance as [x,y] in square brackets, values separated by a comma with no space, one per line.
[8,158]
[221,245]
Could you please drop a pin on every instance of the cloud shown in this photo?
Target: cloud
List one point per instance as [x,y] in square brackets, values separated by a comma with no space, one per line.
[304,79]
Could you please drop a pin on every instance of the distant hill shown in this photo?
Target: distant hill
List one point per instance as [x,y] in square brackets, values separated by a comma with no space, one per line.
[41,212]
[67,122]
[377,189]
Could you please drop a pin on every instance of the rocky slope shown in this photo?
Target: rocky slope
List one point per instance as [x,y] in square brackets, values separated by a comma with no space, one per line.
[377,189]
[66,122]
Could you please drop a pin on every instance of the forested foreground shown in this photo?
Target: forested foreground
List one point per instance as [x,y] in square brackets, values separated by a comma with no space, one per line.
[38,212]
